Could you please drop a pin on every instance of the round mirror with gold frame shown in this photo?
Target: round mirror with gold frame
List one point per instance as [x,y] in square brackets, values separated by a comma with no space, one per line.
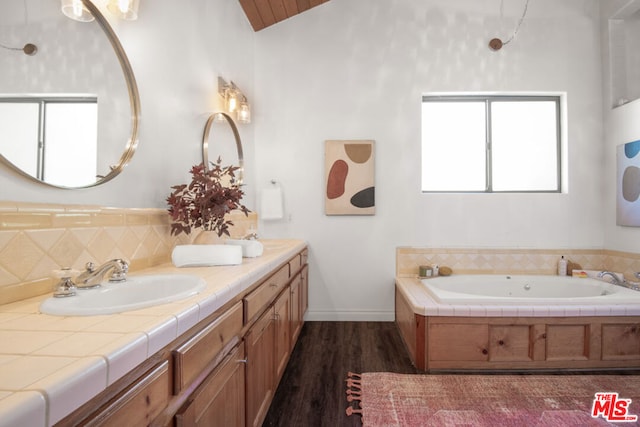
[70,111]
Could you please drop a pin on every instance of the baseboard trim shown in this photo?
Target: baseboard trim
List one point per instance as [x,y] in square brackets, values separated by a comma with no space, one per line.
[349,316]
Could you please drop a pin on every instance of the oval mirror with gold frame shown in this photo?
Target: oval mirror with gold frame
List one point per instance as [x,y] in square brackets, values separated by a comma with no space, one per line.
[78,80]
[226,129]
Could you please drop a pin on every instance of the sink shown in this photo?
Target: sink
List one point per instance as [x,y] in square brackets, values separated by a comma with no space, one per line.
[134,293]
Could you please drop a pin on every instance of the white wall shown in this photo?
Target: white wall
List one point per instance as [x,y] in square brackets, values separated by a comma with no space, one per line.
[352,69]
[621,126]
[177,49]
[356,69]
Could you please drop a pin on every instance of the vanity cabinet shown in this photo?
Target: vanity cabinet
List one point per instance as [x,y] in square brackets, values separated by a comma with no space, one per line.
[223,371]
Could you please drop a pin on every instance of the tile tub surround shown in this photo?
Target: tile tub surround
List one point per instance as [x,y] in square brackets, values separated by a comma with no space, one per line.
[512,261]
[36,239]
[51,365]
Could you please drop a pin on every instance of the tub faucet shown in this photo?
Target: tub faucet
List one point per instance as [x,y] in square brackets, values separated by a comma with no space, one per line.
[93,276]
[616,281]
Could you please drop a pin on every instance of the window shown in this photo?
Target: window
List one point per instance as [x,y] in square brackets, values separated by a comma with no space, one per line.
[53,139]
[491,143]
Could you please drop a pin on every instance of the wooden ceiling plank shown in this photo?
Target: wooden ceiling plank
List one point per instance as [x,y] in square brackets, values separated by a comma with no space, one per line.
[279,11]
[303,5]
[291,7]
[251,10]
[264,8]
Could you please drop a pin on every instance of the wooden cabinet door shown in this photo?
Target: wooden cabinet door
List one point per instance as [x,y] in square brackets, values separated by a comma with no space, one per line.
[220,400]
[260,368]
[282,309]
[458,342]
[511,343]
[296,309]
[621,341]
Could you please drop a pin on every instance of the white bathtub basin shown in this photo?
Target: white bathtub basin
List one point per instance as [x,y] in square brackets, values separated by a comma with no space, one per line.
[527,290]
[135,293]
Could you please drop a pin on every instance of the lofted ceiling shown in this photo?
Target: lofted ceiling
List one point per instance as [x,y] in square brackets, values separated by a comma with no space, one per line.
[263,13]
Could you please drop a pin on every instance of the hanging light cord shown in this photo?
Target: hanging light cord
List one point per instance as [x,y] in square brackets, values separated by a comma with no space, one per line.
[29,48]
[524,13]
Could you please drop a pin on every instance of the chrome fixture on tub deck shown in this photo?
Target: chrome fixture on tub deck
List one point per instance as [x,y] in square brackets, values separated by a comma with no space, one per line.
[93,276]
[621,282]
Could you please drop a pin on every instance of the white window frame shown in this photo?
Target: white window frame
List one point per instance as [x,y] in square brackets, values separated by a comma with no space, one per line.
[487,99]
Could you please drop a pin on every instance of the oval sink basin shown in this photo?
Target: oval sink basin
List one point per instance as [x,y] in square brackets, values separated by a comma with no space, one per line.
[134,293]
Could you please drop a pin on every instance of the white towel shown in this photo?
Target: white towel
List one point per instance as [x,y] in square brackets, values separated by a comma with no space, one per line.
[206,255]
[250,248]
[271,206]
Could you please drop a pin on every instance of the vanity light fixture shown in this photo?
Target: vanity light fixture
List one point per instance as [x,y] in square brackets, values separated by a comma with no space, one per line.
[76,10]
[235,102]
[124,9]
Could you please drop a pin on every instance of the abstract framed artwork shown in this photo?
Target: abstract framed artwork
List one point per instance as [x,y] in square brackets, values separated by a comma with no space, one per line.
[349,177]
[628,184]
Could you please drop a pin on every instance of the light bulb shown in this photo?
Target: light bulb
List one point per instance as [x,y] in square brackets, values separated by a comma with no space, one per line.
[123,5]
[76,10]
[244,112]
[232,100]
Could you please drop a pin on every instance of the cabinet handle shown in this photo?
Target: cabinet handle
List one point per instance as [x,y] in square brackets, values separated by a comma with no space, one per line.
[273,285]
[245,360]
[501,342]
[485,351]
[544,336]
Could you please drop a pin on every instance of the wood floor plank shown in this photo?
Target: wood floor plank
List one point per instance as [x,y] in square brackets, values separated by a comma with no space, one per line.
[312,390]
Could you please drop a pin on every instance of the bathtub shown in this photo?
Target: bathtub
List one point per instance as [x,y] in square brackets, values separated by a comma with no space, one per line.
[518,322]
[498,289]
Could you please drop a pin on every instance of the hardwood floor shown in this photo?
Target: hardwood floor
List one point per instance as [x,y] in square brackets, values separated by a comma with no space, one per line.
[312,390]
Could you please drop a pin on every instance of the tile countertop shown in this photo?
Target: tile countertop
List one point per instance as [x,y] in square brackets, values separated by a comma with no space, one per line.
[51,365]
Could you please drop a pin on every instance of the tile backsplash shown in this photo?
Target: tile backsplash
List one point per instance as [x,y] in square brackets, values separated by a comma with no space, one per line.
[36,239]
[513,261]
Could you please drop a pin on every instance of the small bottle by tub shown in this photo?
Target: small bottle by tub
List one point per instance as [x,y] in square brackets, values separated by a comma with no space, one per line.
[562,266]
[425,271]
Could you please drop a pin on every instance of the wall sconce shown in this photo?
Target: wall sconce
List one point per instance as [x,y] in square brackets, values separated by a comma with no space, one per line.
[76,10]
[124,9]
[234,101]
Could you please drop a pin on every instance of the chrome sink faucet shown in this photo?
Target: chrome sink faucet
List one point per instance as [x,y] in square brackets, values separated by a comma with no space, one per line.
[93,276]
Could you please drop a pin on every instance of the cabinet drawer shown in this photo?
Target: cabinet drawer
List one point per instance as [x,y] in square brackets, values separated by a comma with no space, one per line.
[219,401]
[295,263]
[192,357]
[257,300]
[141,403]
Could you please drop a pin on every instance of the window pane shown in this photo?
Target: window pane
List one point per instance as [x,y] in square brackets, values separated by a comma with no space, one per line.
[453,146]
[71,133]
[19,134]
[524,143]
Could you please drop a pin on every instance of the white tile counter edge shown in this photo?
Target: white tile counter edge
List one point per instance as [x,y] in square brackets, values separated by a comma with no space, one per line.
[138,335]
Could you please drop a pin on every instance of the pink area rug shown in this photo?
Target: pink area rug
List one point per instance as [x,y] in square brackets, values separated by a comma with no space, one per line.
[387,399]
